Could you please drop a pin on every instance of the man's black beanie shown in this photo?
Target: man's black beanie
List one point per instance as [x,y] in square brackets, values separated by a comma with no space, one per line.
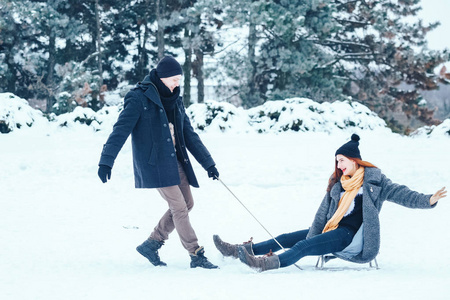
[350,149]
[168,67]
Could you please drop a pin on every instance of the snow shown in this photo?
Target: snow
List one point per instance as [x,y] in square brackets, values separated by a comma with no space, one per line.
[17,112]
[296,114]
[66,235]
[440,130]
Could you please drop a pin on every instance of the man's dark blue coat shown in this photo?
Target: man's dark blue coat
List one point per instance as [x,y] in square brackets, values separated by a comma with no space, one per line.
[154,157]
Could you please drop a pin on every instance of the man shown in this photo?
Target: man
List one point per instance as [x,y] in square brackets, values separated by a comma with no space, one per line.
[161,134]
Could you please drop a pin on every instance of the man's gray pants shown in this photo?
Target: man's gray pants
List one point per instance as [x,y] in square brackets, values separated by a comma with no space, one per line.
[179,198]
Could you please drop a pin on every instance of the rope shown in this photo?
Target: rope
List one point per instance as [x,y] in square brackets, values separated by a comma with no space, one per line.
[220,180]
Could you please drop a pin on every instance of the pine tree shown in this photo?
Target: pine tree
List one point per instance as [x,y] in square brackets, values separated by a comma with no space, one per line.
[10,39]
[330,50]
[198,21]
[283,59]
[92,51]
[383,51]
[52,26]
[238,65]
[20,47]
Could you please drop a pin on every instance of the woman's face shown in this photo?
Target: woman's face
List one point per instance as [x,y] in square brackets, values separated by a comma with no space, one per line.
[347,166]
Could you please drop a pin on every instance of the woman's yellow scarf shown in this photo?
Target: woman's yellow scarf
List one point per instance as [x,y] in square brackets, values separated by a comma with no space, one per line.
[351,186]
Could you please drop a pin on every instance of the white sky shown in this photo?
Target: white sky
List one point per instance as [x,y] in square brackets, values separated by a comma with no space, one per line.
[437,10]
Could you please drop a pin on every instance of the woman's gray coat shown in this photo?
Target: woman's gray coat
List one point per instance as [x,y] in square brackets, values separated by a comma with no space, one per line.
[376,189]
[154,157]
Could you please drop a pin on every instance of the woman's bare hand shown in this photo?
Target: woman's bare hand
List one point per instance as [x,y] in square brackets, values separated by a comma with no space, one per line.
[438,195]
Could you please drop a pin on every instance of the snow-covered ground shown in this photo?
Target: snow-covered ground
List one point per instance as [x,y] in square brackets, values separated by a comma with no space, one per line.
[66,235]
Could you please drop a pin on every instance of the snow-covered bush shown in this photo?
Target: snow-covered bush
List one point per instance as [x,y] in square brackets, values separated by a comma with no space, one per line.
[301,114]
[103,119]
[64,103]
[442,129]
[107,116]
[80,115]
[215,115]
[295,114]
[82,83]
[16,113]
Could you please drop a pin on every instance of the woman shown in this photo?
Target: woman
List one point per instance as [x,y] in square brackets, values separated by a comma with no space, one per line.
[346,223]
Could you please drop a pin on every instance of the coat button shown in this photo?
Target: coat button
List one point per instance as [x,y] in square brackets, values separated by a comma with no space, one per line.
[161,111]
[168,140]
[173,154]
[165,125]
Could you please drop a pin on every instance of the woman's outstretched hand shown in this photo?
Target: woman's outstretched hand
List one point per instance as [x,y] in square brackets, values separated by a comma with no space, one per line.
[438,195]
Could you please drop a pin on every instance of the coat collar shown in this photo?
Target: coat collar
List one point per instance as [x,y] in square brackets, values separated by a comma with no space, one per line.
[152,94]
[372,175]
[336,191]
[372,180]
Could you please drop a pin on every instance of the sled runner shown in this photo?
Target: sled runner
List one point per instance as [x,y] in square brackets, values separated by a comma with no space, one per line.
[323,259]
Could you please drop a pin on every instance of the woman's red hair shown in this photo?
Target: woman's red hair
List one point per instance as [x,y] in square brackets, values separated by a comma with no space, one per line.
[336,176]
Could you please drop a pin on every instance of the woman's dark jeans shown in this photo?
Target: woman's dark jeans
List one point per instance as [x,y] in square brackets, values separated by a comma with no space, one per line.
[298,246]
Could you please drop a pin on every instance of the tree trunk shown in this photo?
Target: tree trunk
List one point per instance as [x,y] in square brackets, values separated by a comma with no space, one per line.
[187,69]
[141,68]
[11,75]
[160,8]
[143,59]
[50,71]
[251,56]
[253,98]
[99,43]
[200,78]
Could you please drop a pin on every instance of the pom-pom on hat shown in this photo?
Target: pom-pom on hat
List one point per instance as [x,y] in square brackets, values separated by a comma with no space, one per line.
[350,149]
[168,67]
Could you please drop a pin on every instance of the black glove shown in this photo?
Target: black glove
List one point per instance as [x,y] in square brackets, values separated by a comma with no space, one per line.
[104,172]
[213,173]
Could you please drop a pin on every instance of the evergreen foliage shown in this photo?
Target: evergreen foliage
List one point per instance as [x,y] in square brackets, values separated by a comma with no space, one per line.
[70,52]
